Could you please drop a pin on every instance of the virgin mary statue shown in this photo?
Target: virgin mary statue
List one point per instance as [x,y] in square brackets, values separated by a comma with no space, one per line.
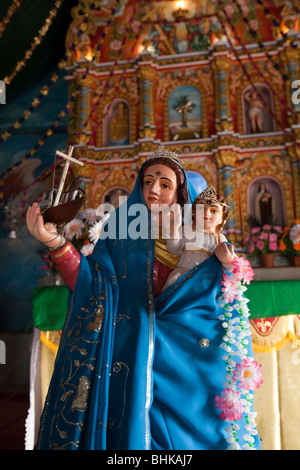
[139,368]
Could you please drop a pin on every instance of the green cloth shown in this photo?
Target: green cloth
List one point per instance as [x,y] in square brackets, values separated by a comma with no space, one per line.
[273,298]
[50,307]
[267,299]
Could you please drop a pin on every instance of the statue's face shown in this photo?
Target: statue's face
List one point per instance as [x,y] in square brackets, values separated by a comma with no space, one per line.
[212,213]
[159,186]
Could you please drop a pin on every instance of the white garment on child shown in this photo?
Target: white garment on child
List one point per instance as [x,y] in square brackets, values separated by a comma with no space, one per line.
[191,254]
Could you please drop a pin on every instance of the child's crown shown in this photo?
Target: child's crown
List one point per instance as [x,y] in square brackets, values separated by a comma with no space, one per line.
[210,195]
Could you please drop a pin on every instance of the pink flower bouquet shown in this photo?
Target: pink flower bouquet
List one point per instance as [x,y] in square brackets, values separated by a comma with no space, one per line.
[262,240]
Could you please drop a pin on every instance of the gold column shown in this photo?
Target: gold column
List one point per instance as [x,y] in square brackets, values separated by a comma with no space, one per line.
[146,76]
[221,66]
[85,118]
[228,187]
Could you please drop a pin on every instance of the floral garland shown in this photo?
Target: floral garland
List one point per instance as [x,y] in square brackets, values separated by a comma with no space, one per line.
[36,102]
[6,20]
[36,41]
[243,377]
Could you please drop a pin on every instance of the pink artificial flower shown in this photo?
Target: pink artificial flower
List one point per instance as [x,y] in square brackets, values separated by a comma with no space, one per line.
[246,239]
[231,404]
[249,373]
[251,248]
[277,228]
[115,45]
[273,237]
[243,270]
[255,230]
[266,227]
[254,25]
[229,10]
[273,246]
[260,245]
[263,236]
[121,28]
[245,10]
[136,25]
[45,268]
[229,290]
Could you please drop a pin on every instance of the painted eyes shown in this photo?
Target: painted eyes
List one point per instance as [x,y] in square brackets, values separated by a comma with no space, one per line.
[163,185]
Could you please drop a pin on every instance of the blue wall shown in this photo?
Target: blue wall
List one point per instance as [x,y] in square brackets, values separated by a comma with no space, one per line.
[19,258]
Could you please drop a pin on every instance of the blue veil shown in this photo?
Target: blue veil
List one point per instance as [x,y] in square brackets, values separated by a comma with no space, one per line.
[130,373]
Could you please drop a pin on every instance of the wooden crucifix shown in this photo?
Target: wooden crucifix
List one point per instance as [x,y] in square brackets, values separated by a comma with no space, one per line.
[68,157]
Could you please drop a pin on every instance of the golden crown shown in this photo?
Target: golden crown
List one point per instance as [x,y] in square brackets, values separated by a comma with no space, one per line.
[210,194]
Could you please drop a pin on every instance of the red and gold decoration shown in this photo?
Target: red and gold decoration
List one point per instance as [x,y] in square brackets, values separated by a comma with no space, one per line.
[212,81]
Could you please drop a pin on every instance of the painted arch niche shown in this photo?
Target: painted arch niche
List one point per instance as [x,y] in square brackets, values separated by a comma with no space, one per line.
[185,113]
[266,203]
[116,124]
[256,115]
[198,181]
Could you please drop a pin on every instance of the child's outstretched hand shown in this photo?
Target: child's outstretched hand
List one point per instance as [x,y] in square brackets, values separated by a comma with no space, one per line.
[225,253]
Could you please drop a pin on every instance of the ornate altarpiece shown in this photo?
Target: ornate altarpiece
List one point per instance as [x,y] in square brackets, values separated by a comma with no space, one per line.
[170,73]
[178,73]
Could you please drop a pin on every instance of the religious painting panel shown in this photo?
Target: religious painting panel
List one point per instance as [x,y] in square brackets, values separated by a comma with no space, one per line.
[185,113]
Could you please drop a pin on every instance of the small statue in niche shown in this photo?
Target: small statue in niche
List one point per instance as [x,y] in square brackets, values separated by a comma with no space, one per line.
[264,206]
[255,112]
[119,125]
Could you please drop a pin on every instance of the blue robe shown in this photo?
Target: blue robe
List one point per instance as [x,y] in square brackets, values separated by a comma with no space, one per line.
[130,373]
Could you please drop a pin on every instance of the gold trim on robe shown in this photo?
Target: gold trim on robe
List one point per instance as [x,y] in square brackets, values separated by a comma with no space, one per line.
[163,255]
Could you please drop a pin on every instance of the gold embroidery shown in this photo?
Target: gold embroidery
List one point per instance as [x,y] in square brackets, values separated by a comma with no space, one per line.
[120,316]
[123,276]
[80,401]
[117,367]
[96,324]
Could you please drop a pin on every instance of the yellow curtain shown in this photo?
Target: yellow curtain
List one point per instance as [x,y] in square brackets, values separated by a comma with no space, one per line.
[276,345]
